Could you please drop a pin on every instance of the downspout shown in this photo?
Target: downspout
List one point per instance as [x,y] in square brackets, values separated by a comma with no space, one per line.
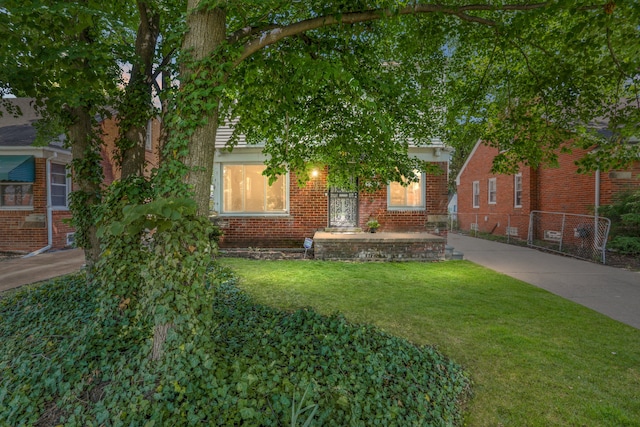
[596,226]
[49,210]
[596,205]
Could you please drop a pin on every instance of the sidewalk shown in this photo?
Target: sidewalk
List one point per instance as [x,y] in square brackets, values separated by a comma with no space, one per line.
[611,291]
[22,271]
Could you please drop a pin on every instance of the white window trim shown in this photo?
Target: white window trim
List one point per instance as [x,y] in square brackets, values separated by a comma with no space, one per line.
[220,196]
[67,188]
[404,208]
[515,190]
[475,186]
[148,139]
[494,192]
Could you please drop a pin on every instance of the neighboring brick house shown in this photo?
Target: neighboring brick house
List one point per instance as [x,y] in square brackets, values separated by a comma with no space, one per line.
[34,181]
[253,214]
[110,133]
[34,186]
[501,204]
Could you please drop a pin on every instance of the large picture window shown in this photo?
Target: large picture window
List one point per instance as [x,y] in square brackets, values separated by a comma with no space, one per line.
[16,195]
[59,186]
[411,196]
[247,191]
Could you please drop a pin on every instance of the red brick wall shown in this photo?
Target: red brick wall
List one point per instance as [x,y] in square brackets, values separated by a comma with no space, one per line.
[26,230]
[110,132]
[562,189]
[436,195]
[558,189]
[494,218]
[60,228]
[309,213]
[616,182]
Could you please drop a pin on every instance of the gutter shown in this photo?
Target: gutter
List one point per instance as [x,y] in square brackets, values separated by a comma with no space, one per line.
[49,210]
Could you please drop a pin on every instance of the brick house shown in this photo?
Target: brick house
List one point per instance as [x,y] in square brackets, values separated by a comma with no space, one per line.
[34,186]
[253,214]
[501,204]
[34,181]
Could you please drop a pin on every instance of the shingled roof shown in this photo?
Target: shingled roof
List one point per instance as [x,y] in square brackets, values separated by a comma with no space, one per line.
[18,130]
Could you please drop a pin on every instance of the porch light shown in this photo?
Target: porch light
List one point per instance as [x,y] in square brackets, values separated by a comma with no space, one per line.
[315,173]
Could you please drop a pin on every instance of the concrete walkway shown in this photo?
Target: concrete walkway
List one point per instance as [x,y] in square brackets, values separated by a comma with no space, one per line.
[16,272]
[611,291]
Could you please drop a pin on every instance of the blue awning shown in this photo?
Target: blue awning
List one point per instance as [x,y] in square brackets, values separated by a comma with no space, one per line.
[17,168]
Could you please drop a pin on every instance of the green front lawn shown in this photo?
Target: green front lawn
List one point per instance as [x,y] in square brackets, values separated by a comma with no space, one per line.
[535,359]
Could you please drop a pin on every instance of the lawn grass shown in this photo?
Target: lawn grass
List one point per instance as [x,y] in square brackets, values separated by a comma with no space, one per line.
[535,358]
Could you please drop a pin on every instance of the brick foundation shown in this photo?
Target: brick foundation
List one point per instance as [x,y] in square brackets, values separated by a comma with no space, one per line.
[379,246]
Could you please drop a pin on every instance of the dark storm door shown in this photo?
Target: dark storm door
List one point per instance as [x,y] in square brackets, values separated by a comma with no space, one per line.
[343,208]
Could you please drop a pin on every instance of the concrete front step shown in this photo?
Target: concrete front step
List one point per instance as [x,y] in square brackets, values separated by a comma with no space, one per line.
[451,254]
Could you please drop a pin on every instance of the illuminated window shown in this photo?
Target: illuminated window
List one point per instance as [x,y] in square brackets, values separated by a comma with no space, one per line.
[411,196]
[246,191]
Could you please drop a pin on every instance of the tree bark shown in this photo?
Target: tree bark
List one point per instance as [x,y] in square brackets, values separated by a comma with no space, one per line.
[138,95]
[82,136]
[206,31]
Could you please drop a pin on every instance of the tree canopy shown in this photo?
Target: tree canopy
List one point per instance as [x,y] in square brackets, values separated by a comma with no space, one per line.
[347,84]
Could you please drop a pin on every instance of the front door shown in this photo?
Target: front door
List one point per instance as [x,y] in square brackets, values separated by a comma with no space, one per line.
[343,208]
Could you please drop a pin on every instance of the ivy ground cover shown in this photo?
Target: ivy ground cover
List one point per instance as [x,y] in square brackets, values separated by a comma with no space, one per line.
[534,359]
[262,366]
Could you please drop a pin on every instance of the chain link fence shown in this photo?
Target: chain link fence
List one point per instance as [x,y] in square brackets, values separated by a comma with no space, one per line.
[580,236]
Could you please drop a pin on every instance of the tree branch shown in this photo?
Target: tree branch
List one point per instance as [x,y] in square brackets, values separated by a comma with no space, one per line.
[613,54]
[244,32]
[272,35]
[165,61]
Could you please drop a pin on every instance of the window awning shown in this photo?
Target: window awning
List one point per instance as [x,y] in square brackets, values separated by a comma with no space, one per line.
[17,168]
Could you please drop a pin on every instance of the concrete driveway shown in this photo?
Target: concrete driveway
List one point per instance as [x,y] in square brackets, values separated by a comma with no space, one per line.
[614,292]
[16,272]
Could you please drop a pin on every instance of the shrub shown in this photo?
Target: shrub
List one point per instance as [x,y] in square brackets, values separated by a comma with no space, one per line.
[626,245]
[624,214]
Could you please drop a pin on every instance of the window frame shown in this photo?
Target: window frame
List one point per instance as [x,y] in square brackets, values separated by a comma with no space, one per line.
[4,207]
[492,190]
[66,185]
[475,194]
[148,138]
[517,192]
[423,195]
[221,199]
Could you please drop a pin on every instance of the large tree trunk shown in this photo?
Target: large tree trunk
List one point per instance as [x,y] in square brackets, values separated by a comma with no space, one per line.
[206,31]
[137,103]
[83,150]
